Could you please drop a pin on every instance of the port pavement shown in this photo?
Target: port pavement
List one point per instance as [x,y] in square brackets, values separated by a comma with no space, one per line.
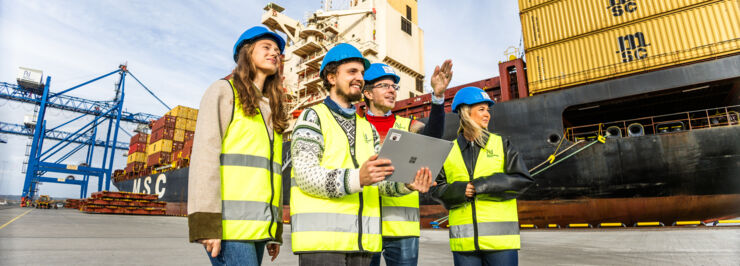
[70,237]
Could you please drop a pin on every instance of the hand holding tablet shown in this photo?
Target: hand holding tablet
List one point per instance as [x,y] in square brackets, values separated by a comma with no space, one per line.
[410,152]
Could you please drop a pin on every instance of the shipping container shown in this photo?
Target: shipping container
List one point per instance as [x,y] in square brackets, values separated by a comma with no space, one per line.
[187,149]
[563,19]
[136,147]
[177,145]
[162,133]
[194,114]
[164,122]
[158,158]
[704,32]
[163,145]
[181,111]
[526,5]
[189,135]
[139,138]
[175,155]
[135,166]
[190,126]
[179,135]
[182,123]
[136,157]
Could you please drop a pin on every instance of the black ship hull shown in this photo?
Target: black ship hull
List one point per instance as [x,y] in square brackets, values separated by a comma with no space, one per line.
[170,186]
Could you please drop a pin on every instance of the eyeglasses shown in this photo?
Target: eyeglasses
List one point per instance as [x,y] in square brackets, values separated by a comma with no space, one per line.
[386,86]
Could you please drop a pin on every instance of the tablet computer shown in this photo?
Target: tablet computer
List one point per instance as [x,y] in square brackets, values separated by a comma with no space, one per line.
[409,152]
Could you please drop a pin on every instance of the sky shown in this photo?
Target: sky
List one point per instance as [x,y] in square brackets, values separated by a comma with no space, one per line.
[178,48]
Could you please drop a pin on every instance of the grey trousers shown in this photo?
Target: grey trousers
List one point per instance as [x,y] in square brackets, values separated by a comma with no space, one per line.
[334,259]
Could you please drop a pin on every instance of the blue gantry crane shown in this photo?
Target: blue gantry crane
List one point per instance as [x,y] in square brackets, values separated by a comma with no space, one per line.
[55,134]
[51,158]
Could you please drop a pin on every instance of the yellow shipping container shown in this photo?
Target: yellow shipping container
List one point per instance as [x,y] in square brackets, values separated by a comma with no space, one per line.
[179,135]
[195,114]
[180,111]
[136,157]
[191,125]
[524,5]
[181,123]
[164,145]
[563,19]
[703,32]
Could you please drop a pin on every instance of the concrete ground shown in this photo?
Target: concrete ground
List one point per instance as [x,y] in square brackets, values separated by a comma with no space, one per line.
[70,237]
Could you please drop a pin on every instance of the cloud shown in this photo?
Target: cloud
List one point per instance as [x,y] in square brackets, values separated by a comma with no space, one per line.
[475,41]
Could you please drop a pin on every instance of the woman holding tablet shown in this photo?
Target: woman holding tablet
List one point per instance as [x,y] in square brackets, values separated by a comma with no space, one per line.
[479,183]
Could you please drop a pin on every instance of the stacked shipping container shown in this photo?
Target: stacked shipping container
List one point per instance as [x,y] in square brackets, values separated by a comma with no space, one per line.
[136,160]
[183,135]
[571,42]
[169,144]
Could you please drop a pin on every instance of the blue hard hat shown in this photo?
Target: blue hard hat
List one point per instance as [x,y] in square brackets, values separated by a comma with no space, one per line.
[256,33]
[380,70]
[470,96]
[341,52]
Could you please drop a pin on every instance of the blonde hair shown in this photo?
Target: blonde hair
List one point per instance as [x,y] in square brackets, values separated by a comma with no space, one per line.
[470,129]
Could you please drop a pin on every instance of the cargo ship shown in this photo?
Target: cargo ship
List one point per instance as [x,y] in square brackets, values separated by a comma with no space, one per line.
[626,111]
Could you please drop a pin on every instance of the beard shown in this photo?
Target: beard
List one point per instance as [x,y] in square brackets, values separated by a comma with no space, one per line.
[351,97]
[354,97]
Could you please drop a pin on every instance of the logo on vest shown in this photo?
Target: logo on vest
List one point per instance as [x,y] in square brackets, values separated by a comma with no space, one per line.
[490,153]
[398,125]
[367,138]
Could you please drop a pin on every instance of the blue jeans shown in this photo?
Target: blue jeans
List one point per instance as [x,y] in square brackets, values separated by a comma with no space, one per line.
[398,251]
[486,258]
[239,253]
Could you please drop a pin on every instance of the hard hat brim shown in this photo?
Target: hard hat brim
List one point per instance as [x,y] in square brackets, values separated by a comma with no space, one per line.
[269,35]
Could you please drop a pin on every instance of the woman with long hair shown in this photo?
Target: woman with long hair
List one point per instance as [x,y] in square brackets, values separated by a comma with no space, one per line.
[234,186]
[479,183]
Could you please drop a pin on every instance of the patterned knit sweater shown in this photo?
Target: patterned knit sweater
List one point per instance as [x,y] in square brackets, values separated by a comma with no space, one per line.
[307,149]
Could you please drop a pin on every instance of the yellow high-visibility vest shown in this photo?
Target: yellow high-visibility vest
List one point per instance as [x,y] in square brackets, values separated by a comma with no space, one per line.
[251,182]
[482,224]
[400,215]
[347,224]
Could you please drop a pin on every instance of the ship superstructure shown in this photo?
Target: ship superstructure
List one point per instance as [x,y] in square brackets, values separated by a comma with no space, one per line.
[384,31]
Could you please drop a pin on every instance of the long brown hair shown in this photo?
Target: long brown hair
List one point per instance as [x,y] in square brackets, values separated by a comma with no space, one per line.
[470,129]
[249,95]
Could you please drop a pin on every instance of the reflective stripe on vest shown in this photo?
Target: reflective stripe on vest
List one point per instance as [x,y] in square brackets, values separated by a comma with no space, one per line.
[334,222]
[401,214]
[320,224]
[492,225]
[251,184]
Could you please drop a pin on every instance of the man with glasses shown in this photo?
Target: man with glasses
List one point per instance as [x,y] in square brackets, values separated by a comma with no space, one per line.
[400,215]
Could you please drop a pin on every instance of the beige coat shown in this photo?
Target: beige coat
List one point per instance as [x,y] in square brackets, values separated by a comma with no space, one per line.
[204,182]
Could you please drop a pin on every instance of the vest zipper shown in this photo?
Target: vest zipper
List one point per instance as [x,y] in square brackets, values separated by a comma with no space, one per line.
[475,226]
[272,183]
[272,190]
[475,217]
[359,213]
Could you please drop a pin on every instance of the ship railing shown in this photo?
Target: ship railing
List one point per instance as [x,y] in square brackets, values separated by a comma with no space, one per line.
[310,57]
[308,77]
[660,124]
[653,61]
